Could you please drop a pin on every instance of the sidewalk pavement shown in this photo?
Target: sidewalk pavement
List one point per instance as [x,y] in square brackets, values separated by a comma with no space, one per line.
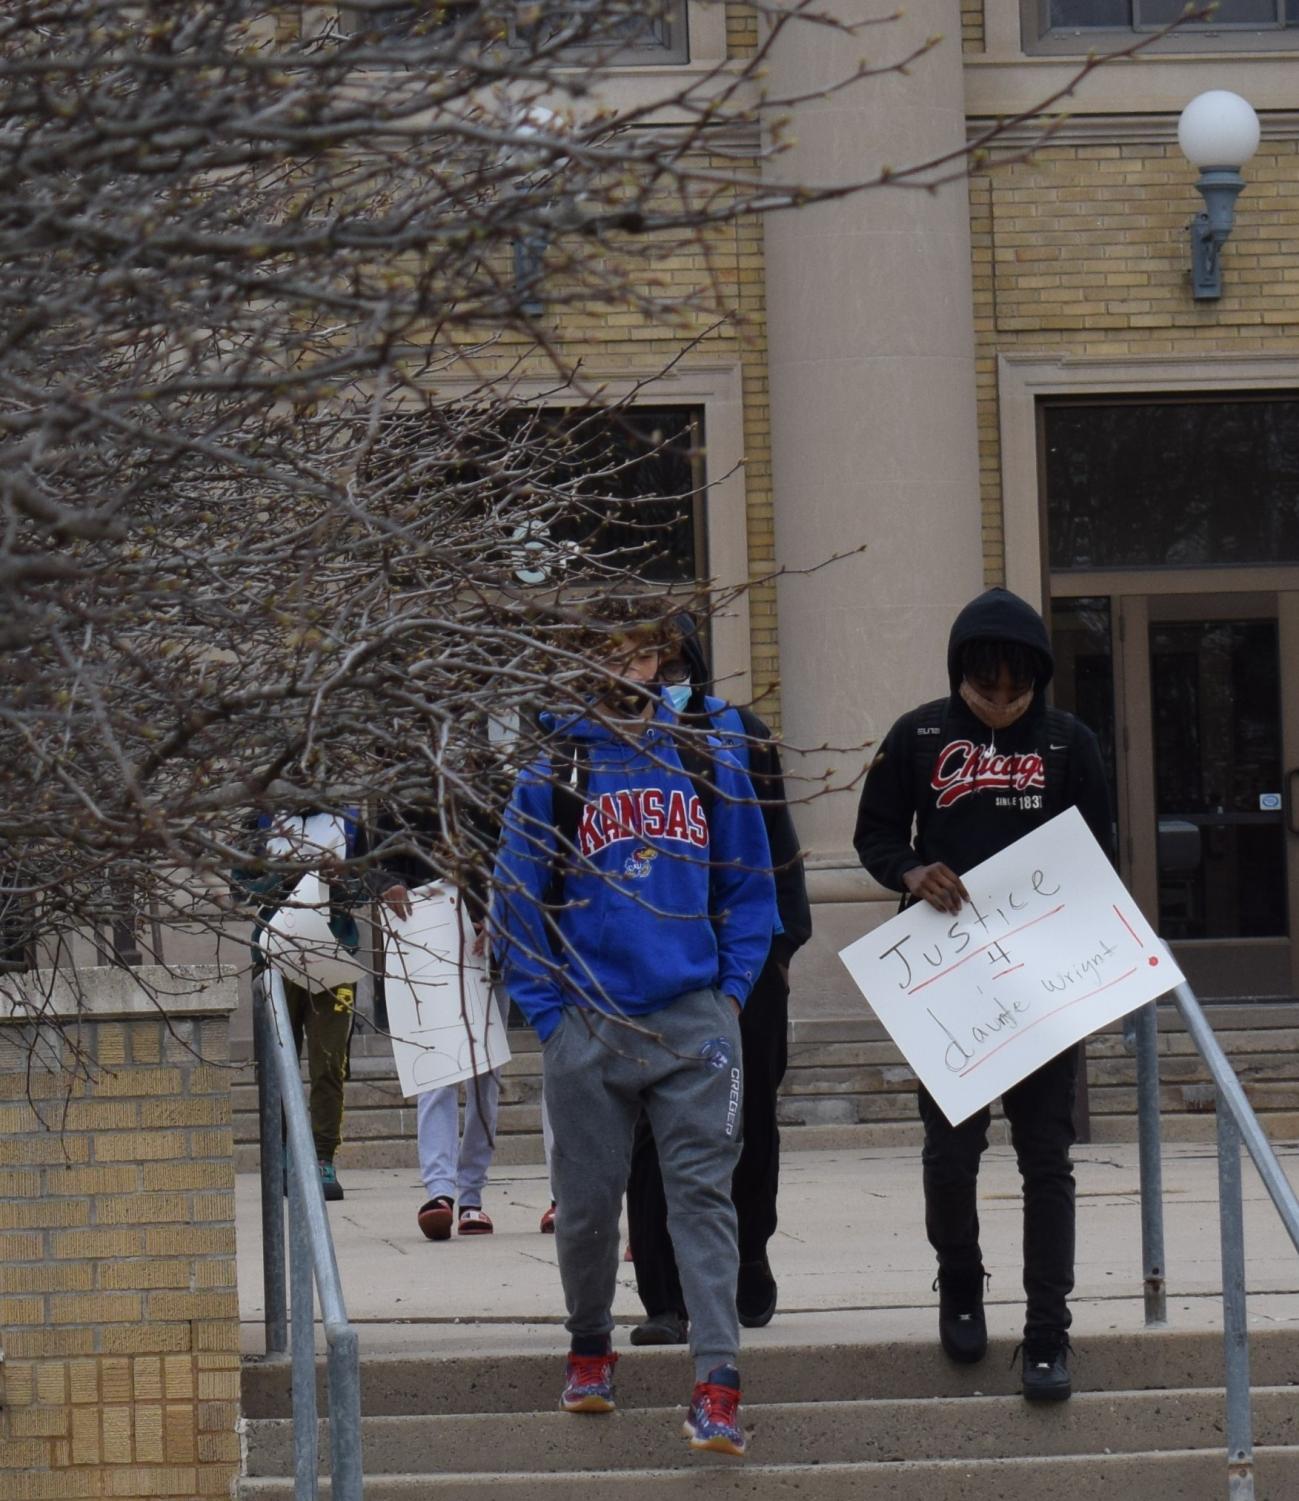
[850,1255]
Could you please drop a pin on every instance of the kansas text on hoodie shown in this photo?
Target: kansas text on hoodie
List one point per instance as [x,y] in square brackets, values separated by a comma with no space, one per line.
[661,897]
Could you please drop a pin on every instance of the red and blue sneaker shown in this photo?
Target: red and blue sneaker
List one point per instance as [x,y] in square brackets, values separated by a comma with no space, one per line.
[588,1383]
[713,1421]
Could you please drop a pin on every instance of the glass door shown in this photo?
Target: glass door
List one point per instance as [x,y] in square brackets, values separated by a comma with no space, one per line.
[1209,741]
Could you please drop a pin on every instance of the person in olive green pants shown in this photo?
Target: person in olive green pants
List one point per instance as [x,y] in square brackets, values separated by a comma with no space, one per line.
[325,1018]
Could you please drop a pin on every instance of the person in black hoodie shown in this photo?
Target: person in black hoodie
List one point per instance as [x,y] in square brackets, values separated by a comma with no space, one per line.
[764,1025]
[971,774]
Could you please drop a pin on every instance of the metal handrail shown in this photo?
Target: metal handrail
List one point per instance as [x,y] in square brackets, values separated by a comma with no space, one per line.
[1237,1123]
[313,1267]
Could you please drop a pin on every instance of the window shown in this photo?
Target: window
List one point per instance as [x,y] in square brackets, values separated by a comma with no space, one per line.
[601,492]
[617,30]
[1171,484]
[637,475]
[1235,25]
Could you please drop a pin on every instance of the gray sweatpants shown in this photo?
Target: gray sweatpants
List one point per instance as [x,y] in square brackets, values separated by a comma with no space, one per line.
[683,1068]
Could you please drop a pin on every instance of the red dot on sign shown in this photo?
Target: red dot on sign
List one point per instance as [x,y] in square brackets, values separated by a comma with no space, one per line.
[1152,961]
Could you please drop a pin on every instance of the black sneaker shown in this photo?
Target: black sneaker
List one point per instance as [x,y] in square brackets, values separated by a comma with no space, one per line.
[962,1329]
[1046,1367]
[755,1294]
[661,1329]
[329,1182]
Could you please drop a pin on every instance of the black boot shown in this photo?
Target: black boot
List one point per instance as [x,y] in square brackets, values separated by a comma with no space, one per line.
[1046,1367]
[961,1325]
[755,1294]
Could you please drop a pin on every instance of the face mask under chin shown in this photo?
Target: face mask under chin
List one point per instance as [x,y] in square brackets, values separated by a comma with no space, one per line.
[995,716]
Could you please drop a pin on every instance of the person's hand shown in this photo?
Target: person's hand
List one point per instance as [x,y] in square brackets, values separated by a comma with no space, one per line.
[330,866]
[938,885]
[398,901]
[734,1002]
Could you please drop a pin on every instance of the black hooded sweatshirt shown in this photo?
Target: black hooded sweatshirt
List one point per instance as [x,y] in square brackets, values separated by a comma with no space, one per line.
[970,791]
[768,778]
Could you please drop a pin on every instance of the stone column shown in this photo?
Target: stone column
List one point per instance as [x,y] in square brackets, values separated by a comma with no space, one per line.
[119,1313]
[873,431]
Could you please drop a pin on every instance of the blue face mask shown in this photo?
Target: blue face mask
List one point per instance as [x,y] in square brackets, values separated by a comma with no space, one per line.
[677,696]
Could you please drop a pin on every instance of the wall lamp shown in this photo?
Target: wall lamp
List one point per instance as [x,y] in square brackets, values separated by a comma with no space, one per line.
[1218,133]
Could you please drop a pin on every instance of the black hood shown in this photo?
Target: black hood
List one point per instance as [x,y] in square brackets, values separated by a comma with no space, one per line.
[999,615]
[692,652]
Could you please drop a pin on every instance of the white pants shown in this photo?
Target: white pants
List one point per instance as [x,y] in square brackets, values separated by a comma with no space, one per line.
[449,1163]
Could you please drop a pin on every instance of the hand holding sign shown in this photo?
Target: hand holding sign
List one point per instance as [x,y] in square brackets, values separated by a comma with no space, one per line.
[1048,947]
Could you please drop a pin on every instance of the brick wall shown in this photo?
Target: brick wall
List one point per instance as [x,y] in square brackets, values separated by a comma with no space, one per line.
[972,25]
[119,1315]
[1084,251]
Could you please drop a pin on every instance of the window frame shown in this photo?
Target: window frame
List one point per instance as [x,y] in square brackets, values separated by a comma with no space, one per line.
[1038,38]
[674,52]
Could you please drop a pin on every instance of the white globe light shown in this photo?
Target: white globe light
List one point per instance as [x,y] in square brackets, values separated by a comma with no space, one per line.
[1218,129]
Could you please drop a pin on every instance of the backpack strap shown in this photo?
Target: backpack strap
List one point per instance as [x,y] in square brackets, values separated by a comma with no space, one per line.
[928,734]
[698,764]
[570,771]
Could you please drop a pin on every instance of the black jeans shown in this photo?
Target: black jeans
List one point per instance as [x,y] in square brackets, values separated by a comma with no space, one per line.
[764,1027]
[1040,1111]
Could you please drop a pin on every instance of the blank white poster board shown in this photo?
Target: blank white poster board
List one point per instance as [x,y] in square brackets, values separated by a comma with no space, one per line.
[444,1024]
[1049,948]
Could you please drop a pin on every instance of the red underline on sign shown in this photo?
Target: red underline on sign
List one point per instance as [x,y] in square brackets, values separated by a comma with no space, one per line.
[992,942]
[1128,926]
[1009,971]
[1024,1031]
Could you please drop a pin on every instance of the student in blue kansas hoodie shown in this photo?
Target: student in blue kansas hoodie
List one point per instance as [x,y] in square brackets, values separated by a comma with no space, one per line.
[634,980]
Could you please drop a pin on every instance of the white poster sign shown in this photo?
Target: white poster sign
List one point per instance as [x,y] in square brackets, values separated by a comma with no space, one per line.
[1049,948]
[444,1024]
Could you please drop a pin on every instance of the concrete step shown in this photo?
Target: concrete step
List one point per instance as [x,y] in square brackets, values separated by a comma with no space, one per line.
[884,1431]
[864,1371]
[1167,1475]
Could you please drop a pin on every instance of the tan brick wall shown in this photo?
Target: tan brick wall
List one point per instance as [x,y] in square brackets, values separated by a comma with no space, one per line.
[119,1318]
[1084,251]
[741,29]
[972,25]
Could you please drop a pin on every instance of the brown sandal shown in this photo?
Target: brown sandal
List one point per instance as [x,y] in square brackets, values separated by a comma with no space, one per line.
[474,1220]
[435,1218]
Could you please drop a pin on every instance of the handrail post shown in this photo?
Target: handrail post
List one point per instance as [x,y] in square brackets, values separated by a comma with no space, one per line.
[306,1426]
[1235,1328]
[344,1398]
[274,1291]
[313,1269]
[1146,1030]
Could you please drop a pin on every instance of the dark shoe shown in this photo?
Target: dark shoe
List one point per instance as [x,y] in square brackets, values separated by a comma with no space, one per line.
[660,1329]
[962,1329]
[435,1218]
[755,1294]
[1046,1368]
[329,1182]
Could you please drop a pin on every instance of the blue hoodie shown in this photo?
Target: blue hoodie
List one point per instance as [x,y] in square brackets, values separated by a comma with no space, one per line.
[649,874]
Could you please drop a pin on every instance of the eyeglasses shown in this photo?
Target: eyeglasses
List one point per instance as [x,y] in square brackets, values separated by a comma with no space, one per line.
[674,671]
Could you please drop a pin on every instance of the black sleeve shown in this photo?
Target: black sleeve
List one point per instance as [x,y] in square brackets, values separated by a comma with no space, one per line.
[768,778]
[887,810]
[414,853]
[1089,789]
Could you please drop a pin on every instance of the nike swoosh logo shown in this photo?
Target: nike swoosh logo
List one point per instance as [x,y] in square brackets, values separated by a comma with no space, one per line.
[1058,747]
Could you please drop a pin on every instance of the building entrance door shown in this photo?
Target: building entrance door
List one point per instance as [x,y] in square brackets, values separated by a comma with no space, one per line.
[1204,750]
